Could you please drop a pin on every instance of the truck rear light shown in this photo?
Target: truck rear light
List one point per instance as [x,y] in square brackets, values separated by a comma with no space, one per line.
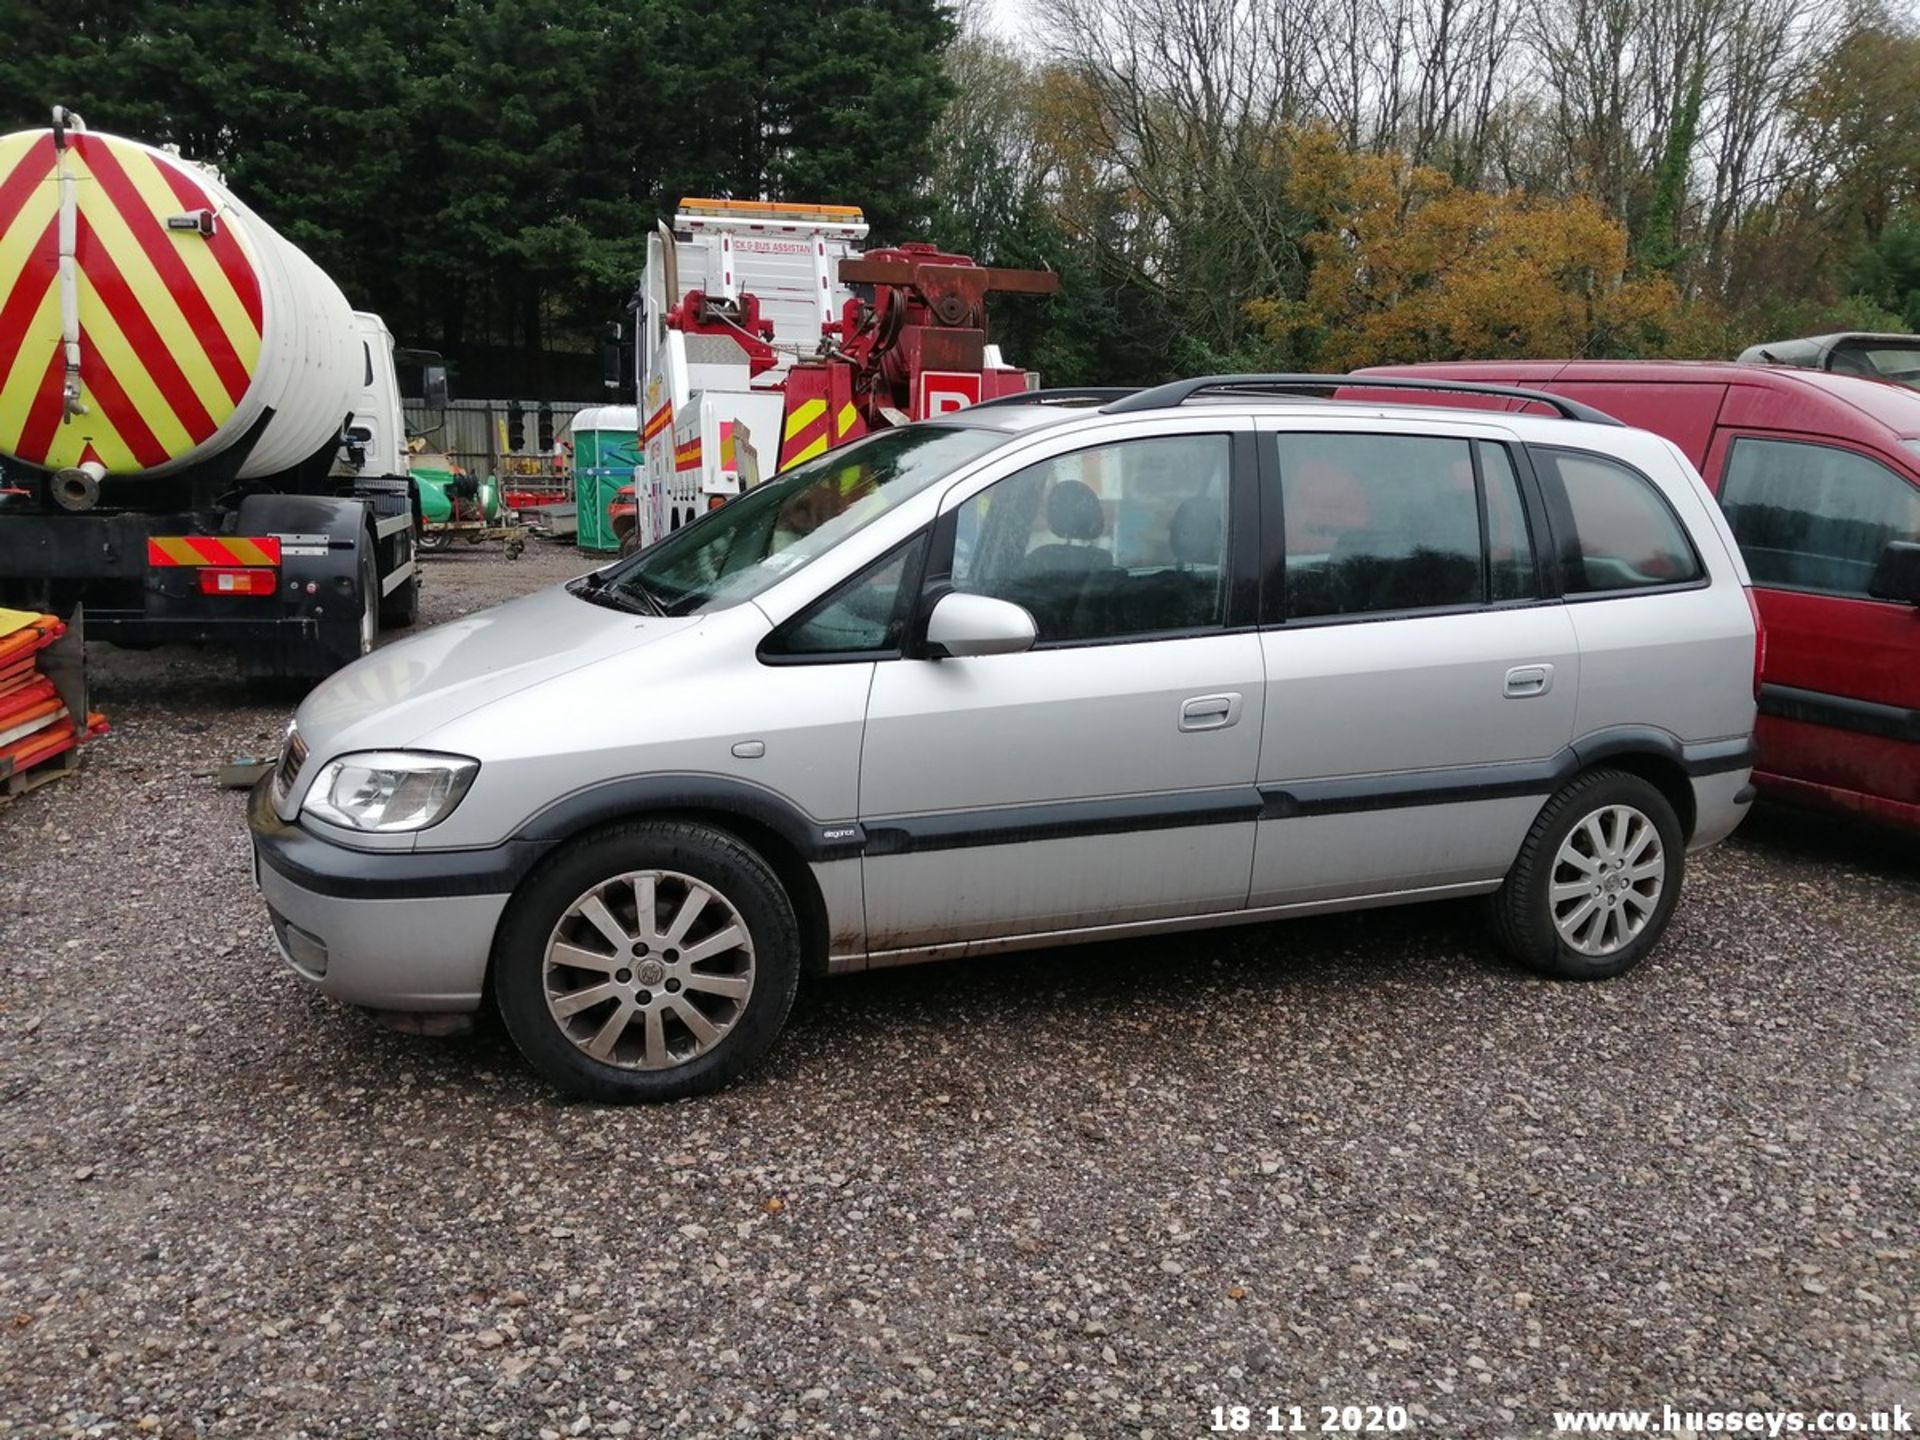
[714,502]
[218,580]
[1759,641]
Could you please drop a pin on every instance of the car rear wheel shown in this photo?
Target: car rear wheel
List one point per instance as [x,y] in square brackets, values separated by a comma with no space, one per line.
[1596,880]
[649,962]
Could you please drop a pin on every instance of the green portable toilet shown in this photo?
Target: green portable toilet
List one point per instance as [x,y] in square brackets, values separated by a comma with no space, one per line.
[606,455]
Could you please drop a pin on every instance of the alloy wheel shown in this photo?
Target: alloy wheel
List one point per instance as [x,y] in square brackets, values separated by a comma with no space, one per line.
[1607,879]
[648,970]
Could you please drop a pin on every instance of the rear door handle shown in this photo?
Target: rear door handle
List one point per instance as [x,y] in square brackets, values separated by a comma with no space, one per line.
[1210,712]
[1525,681]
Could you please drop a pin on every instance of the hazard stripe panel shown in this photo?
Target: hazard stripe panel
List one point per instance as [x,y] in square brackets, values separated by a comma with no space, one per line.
[806,452]
[224,247]
[18,183]
[687,457]
[659,421]
[162,251]
[171,321]
[114,295]
[165,550]
[803,415]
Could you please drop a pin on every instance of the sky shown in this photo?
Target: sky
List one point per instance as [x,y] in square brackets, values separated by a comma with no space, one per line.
[1009,16]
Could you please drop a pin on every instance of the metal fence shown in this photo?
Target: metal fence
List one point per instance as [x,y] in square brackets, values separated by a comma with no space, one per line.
[510,439]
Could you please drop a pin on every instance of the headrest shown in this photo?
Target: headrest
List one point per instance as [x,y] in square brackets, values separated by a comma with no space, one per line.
[1074,513]
[1194,536]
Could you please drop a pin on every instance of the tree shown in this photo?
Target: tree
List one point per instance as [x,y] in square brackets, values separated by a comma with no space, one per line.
[1859,121]
[855,89]
[1660,247]
[1887,273]
[1410,266]
[485,172]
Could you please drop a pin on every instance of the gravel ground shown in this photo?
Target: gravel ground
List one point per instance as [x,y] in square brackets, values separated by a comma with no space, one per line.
[1095,1191]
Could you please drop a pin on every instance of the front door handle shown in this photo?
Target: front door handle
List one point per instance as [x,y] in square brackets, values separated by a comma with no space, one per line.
[1526,681]
[1210,712]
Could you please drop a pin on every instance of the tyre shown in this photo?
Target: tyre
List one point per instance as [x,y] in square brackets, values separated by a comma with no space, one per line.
[650,961]
[1596,879]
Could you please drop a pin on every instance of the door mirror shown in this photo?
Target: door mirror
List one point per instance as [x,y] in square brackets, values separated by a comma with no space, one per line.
[1897,576]
[435,392]
[964,625]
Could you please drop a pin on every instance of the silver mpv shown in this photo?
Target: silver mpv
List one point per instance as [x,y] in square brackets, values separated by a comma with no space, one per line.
[1067,669]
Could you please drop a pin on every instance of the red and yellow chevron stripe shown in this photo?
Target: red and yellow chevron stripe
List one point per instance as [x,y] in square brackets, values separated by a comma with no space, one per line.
[687,456]
[805,434]
[170,321]
[657,422]
[213,550]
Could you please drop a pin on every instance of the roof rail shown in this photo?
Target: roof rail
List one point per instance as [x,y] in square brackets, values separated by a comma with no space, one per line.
[1061,395]
[1162,397]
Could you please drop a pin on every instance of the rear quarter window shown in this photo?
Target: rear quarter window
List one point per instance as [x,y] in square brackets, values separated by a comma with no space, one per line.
[1614,531]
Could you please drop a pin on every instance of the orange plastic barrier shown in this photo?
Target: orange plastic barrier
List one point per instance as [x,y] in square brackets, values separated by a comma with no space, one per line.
[35,723]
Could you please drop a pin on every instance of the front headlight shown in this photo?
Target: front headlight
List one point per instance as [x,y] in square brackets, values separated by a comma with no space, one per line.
[389,790]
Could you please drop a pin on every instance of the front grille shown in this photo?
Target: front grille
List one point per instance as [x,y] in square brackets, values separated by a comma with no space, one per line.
[292,756]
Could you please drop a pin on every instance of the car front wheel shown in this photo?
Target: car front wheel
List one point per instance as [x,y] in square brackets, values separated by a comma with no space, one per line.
[649,962]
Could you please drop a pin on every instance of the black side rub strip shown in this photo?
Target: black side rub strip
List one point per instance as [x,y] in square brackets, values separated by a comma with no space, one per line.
[1842,712]
[1062,820]
[326,868]
[1408,789]
[814,840]
[1351,795]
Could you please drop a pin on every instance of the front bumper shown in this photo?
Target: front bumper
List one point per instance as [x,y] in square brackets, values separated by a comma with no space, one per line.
[344,930]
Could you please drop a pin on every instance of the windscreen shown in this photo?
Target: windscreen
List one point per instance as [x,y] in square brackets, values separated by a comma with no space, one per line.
[733,553]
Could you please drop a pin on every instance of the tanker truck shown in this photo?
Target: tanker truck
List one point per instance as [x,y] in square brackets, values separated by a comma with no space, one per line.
[199,440]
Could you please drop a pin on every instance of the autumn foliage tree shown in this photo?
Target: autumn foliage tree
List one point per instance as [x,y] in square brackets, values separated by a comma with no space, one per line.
[1409,265]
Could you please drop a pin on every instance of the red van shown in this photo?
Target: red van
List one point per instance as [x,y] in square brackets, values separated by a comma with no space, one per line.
[1819,476]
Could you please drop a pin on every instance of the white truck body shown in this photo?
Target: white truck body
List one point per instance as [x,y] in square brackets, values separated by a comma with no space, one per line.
[712,428]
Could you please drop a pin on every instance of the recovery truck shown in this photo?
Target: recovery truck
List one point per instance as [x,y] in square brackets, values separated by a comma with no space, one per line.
[199,440]
[766,337]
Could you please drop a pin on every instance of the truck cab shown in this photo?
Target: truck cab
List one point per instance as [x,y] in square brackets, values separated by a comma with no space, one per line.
[376,430]
[1818,474]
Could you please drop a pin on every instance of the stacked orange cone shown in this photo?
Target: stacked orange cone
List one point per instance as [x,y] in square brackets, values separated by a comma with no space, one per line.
[35,724]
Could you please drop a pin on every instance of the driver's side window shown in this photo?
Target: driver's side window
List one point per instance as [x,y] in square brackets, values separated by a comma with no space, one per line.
[1113,542]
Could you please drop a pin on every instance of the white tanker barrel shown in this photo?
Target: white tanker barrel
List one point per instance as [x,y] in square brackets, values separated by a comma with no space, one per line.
[149,320]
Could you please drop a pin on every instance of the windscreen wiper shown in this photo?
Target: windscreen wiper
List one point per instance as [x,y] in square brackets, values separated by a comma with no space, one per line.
[596,589]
